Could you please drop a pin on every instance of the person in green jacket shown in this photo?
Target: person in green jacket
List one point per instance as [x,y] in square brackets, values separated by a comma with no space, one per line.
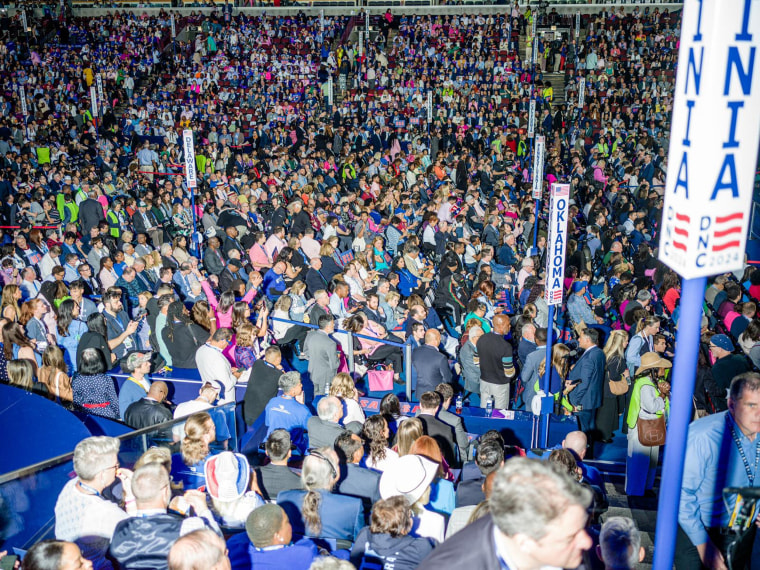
[649,401]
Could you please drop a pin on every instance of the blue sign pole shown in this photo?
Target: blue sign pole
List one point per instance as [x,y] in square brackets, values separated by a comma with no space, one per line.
[194,239]
[547,402]
[684,373]
[535,227]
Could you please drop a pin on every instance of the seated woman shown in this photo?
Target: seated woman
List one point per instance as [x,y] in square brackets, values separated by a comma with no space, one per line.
[373,350]
[442,496]
[188,465]
[376,434]
[316,511]
[342,387]
[387,537]
[93,390]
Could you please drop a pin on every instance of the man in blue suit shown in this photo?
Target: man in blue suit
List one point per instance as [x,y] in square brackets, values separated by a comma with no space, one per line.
[588,377]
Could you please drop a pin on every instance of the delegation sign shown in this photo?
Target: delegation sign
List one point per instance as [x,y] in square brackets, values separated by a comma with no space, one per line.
[191,173]
[714,138]
[556,244]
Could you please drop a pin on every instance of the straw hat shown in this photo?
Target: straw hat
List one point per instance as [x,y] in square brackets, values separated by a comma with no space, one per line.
[652,360]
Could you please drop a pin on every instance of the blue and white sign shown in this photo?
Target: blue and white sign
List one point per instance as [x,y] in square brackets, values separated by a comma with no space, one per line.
[430,107]
[556,244]
[101,93]
[582,92]
[174,27]
[22,98]
[538,168]
[714,138]
[94,101]
[191,174]
[532,119]
[577,24]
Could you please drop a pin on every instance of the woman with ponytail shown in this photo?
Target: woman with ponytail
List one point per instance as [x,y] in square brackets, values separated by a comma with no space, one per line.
[187,466]
[316,511]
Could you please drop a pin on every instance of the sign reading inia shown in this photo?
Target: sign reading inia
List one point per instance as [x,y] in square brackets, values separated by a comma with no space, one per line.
[714,138]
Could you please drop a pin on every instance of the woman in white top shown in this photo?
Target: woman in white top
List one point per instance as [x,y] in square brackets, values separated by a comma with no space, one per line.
[376,432]
[281,311]
[342,387]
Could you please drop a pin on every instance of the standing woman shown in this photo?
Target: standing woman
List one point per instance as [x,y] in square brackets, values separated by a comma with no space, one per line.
[642,342]
[649,401]
[70,331]
[607,417]
[31,317]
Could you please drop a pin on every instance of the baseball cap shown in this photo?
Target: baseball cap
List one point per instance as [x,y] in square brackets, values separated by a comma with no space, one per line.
[137,359]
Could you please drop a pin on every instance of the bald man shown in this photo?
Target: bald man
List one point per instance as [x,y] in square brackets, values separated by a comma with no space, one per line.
[497,368]
[430,365]
[150,410]
[199,550]
[577,443]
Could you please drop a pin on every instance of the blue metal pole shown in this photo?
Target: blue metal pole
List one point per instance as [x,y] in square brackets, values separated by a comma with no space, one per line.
[547,402]
[535,231]
[684,373]
[194,237]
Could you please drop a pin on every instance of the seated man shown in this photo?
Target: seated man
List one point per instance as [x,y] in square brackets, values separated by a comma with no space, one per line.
[276,476]
[144,541]
[288,411]
[150,410]
[325,429]
[267,543]
[199,549]
[356,481]
[489,458]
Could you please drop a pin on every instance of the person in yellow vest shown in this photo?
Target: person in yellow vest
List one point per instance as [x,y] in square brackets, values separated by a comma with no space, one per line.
[650,399]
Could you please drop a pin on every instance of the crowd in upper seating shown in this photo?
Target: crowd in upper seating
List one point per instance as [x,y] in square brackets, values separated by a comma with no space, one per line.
[330,201]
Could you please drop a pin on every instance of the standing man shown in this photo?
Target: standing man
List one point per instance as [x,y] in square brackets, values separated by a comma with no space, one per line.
[322,353]
[213,365]
[722,450]
[121,330]
[497,369]
[587,376]
[431,366]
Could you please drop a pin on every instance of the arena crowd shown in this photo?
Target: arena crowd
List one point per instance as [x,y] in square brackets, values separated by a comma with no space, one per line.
[328,201]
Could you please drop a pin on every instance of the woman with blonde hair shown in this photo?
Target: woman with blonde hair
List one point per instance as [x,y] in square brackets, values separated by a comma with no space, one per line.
[343,388]
[54,375]
[408,432]
[614,405]
[316,511]
[282,311]
[557,377]
[187,466]
[9,303]
[21,375]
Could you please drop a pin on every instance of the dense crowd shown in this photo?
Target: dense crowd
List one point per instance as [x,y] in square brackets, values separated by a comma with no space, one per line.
[328,202]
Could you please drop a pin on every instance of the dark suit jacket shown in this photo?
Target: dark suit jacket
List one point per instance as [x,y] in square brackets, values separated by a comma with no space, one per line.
[213,261]
[443,434]
[273,479]
[432,368]
[360,482]
[90,213]
[330,268]
[590,371]
[262,387]
[315,282]
[139,223]
[472,547]
[470,492]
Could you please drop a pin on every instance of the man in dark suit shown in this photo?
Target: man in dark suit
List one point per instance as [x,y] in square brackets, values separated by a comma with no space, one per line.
[522,489]
[588,378]
[356,481]
[324,428]
[262,384]
[145,222]
[314,278]
[490,457]
[230,274]
[276,476]
[441,432]
[90,213]
[431,366]
[446,391]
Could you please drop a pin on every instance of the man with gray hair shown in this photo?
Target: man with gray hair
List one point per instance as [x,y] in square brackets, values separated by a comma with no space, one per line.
[538,518]
[81,511]
[620,544]
[144,541]
[288,411]
[324,429]
[199,550]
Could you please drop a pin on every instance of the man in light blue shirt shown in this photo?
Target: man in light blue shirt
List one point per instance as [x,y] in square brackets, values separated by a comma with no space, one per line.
[723,450]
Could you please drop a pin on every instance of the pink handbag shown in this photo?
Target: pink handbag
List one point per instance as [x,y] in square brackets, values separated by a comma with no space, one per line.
[380,380]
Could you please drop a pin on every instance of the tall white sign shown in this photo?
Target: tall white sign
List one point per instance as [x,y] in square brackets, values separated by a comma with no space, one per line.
[101,93]
[582,92]
[535,50]
[94,101]
[22,97]
[322,20]
[538,168]
[191,174]
[174,29]
[361,44]
[577,24]
[430,107]
[532,119]
[330,91]
[23,21]
[714,139]
[556,244]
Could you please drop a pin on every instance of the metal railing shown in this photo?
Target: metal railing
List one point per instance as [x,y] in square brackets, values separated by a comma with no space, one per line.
[406,349]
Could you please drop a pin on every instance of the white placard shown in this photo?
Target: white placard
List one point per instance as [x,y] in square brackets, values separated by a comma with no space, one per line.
[174,29]
[581,92]
[361,44]
[556,244]
[714,139]
[366,19]
[101,93]
[532,119]
[94,101]
[191,174]
[23,21]
[322,20]
[577,24]
[430,107]
[22,97]
[538,168]
[535,51]
[533,28]
[330,91]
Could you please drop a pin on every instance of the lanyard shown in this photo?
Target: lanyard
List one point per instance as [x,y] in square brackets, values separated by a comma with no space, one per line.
[750,473]
[89,489]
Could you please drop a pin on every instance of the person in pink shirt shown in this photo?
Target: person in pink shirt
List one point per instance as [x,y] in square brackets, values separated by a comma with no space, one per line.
[260,258]
[223,307]
[276,242]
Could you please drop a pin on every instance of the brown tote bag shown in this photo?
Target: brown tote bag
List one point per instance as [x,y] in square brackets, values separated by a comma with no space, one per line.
[651,432]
